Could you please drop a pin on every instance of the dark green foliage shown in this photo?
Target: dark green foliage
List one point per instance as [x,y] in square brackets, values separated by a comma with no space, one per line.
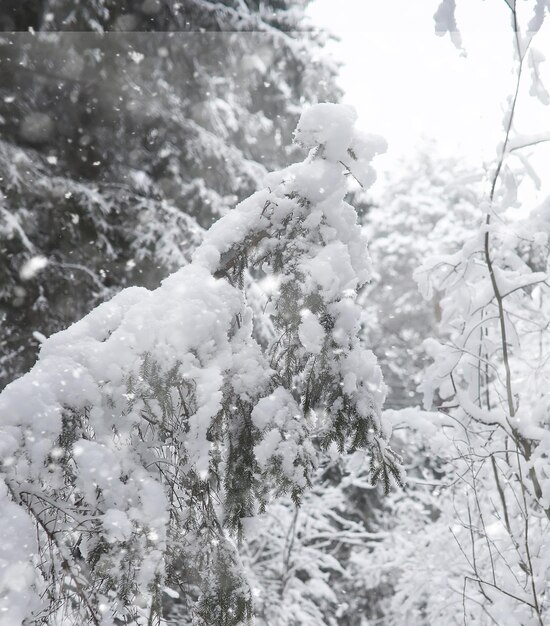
[228,600]
[242,485]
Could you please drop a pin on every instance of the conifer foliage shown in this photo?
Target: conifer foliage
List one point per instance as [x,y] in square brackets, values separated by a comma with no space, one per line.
[125,137]
[150,432]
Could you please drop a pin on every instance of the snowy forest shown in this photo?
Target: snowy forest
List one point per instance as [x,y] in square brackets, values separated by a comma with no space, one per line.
[251,373]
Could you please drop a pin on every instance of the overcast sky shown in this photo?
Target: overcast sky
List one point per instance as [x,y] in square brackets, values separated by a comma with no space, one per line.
[409,84]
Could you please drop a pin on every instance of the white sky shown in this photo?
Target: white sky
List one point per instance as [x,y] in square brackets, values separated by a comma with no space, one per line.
[409,85]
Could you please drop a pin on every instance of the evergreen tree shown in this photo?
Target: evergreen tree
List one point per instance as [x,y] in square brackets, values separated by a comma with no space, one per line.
[150,432]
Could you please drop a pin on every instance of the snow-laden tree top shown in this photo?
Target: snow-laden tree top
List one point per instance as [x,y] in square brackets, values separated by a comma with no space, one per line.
[160,418]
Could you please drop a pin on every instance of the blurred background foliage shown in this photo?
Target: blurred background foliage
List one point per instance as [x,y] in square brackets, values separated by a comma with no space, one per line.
[126,129]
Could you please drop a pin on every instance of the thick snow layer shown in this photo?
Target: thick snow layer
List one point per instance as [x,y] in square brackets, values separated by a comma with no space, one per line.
[330,126]
[18,579]
[311,333]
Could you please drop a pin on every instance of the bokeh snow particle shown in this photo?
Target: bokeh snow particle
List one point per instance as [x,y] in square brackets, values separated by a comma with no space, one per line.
[30,268]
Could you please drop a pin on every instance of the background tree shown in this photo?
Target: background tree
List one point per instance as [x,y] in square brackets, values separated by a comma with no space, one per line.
[304,563]
[118,149]
[426,207]
[482,499]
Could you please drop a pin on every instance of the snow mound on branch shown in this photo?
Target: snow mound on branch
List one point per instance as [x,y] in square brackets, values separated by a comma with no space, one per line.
[330,125]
